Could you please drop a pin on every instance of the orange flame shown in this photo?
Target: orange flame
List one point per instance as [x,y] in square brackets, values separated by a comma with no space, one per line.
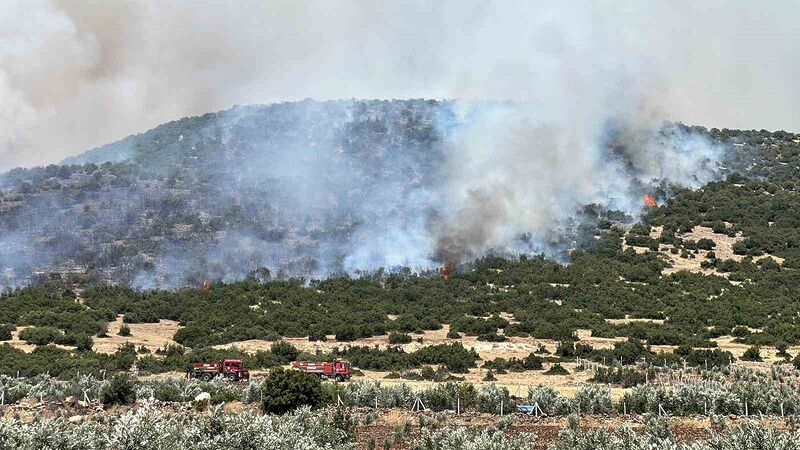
[649,201]
[206,287]
[448,268]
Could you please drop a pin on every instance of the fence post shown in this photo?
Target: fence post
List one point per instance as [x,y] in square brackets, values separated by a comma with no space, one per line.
[3,397]
[85,396]
[705,408]
[781,409]
[458,406]
[501,406]
[746,411]
[376,402]
[624,408]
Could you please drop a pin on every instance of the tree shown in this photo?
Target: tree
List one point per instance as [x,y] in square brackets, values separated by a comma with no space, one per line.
[39,335]
[286,390]
[284,352]
[124,330]
[84,343]
[5,332]
[120,390]
[752,354]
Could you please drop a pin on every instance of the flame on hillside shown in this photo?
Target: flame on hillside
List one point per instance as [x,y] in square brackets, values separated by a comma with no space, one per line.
[448,268]
[649,201]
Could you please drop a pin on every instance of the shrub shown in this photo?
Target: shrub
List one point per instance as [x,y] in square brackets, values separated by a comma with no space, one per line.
[39,335]
[533,362]
[284,352]
[594,399]
[557,369]
[491,397]
[84,343]
[124,330]
[549,400]
[752,354]
[453,334]
[346,334]
[286,390]
[492,337]
[120,390]
[5,332]
[399,338]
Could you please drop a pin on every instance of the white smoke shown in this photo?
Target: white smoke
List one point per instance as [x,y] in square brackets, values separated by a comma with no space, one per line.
[77,74]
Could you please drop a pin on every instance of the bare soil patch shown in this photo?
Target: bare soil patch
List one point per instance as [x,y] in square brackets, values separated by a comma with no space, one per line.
[150,335]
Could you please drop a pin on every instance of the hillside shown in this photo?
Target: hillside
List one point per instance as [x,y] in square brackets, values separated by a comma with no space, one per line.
[295,187]
[314,189]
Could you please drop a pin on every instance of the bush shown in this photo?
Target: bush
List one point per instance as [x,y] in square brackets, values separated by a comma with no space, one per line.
[84,343]
[124,330]
[347,334]
[39,335]
[549,400]
[286,390]
[557,369]
[594,399]
[533,362]
[453,334]
[752,354]
[490,398]
[284,352]
[120,390]
[5,332]
[399,338]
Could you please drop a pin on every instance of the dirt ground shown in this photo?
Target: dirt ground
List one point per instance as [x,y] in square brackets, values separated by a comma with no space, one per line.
[723,250]
[151,335]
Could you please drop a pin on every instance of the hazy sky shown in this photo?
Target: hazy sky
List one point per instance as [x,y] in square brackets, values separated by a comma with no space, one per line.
[78,74]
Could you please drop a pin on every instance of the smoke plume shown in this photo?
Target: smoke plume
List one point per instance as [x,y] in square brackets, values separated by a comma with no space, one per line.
[560,105]
[78,74]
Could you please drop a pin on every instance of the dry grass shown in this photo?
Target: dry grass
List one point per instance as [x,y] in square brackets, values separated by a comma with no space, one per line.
[514,347]
[150,335]
[628,319]
[516,383]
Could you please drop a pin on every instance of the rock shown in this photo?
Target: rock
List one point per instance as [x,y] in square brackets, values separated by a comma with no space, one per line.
[75,419]
[203,396]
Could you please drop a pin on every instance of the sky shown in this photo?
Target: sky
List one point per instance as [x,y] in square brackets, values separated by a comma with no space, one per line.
[78,74]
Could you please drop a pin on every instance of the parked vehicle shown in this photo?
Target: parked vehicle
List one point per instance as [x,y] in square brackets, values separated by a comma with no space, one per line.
[231,369]
[338,370]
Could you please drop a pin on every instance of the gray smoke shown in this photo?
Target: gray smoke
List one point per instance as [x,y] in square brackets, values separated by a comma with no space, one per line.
[577,76]
[77,74]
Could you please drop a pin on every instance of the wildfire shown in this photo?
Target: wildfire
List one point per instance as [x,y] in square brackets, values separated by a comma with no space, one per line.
[649,201]
[448,268]
[206,287]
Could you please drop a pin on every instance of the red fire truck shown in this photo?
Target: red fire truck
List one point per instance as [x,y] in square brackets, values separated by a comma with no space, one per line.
[232,369]
[338,370]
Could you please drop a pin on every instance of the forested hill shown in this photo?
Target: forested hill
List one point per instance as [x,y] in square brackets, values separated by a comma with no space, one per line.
[296,187]
[313,189]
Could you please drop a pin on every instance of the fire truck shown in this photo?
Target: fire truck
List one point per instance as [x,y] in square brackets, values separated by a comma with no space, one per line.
[338,370]
[232,369]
